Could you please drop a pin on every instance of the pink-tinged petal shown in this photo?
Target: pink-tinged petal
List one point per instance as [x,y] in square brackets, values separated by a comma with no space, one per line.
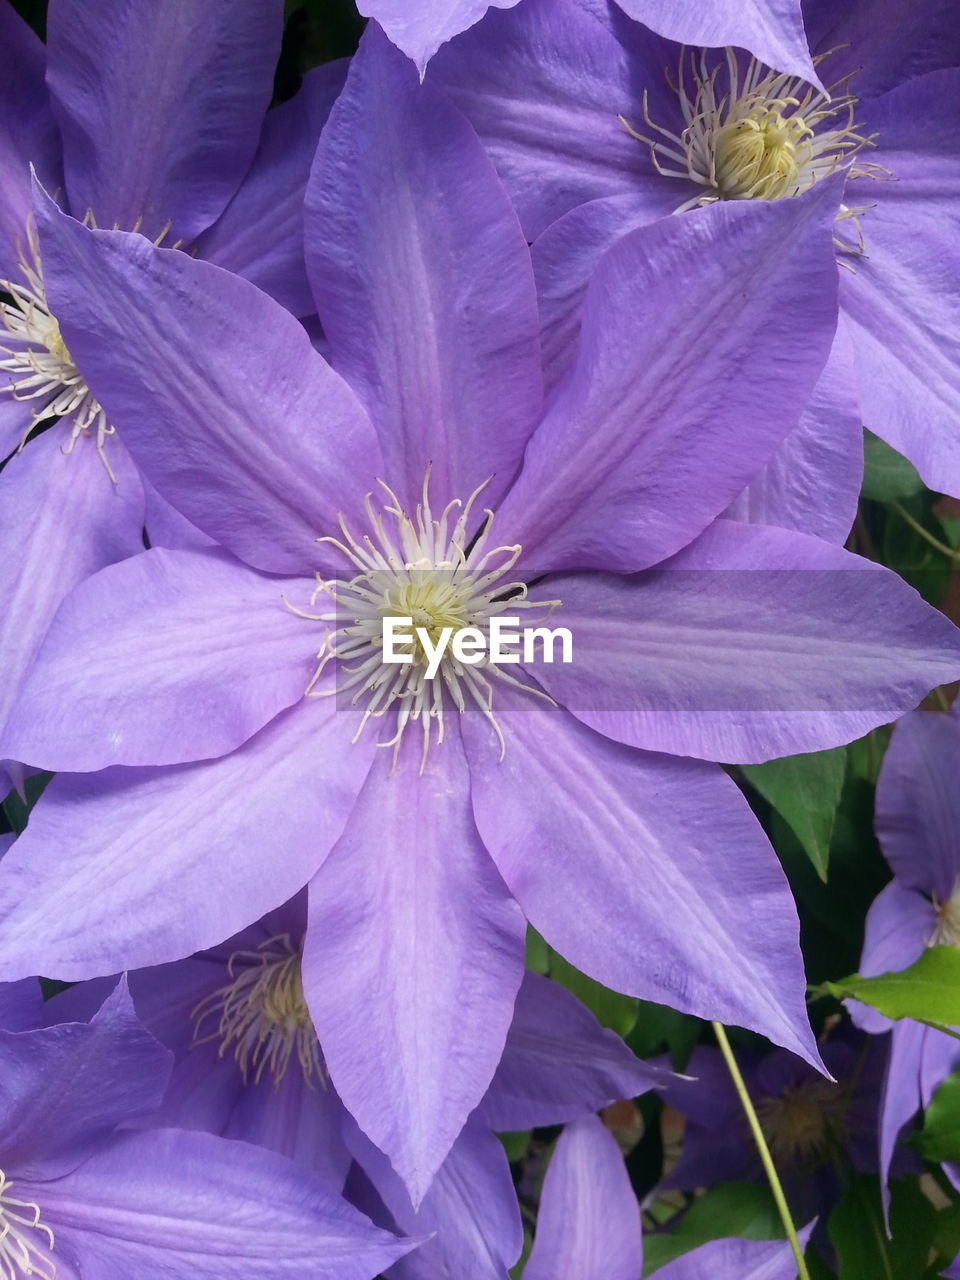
[588,1226]
[420,27]
[663,420]
[812,483]
[423,282]
[558,1062]
[169,657]
[470,1211]
[747,646]
[61,519]
[901,301]
[160,106]
[99,879]
[215,389]
[648,873]
[260,234]
[918,804]
[67,1087]
[735,1260]
[28,135]
[568,253]
[900,924]
[772,30]
[21,1003]
[412,961]
[176,1205]
[543,85]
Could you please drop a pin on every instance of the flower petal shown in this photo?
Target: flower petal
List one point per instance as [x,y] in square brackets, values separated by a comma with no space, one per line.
[412,961]
[736,1259]
[900,924]
[648,873]
[420,27]
[589,1220]
[260,233]
[99,879]
[219,394]
[21,1003]
[558,1062]
[166,658]
[160,106]
[423,282]
[178,1205]
[65,1088]
[747,646]
[664,420]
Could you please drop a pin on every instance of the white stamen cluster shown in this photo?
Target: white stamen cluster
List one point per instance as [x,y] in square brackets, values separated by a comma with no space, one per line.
[946,931]
[25,1243]
[38,361]
[756,135]
[802,1123]
[261,1014]
[430,570]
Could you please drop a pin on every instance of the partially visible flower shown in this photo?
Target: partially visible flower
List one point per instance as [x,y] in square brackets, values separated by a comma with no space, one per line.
[83,1194]
[588,1225]
[918,826]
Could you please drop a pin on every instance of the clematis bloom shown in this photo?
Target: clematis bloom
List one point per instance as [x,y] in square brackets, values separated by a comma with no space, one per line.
[201,788]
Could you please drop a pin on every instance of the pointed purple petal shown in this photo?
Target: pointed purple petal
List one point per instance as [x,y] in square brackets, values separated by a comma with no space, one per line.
[169,657]
[746,646]
[174,1205]
[223,401]
[412,962]
[99,879]
[160,106]
[900,924]
[735,1260]
[900,1099]
[624,861]
[589,1220]
[423,282]
[420,27]
[260,233]
[661,424]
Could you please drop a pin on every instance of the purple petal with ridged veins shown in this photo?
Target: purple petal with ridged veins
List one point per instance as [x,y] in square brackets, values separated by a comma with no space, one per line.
[420,27]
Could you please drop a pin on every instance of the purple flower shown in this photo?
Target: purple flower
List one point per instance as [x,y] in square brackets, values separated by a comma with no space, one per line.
[83,1194]
[813,1126]
[203,789]
[917,821]
[150,118]
[588,1227]
[248,1065]
[545,83]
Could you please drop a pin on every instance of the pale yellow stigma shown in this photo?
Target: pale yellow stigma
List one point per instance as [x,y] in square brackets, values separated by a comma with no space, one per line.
[261,1015]
[802,1123]
[42,368]
[25,1243]
[438,572]
[757,135]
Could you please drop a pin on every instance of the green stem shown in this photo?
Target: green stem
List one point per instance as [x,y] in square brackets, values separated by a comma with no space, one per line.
[772,1176]
[951,553]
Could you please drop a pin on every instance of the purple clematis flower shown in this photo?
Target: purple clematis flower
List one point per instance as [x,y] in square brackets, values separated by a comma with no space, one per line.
[588,1227]
[813,1126]
[81,1194]
[248,1065]
[771,29]
[598,125]
[917,823]
[173,144]
[203,789]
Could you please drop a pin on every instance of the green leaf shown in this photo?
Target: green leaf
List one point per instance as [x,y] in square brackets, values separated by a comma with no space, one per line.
[805,791]
[940,1137]
[660,1028]
[741,1209]
[515,1145]
[928,991]
[610,1008]
[857,1230]
[538,953]
[887,475]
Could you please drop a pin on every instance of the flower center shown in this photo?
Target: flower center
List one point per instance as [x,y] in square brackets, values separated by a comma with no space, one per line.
[802,1122]
[25,1243]
[946,931]
[757,134]
[38,362]
[439,574]
[261,1014]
